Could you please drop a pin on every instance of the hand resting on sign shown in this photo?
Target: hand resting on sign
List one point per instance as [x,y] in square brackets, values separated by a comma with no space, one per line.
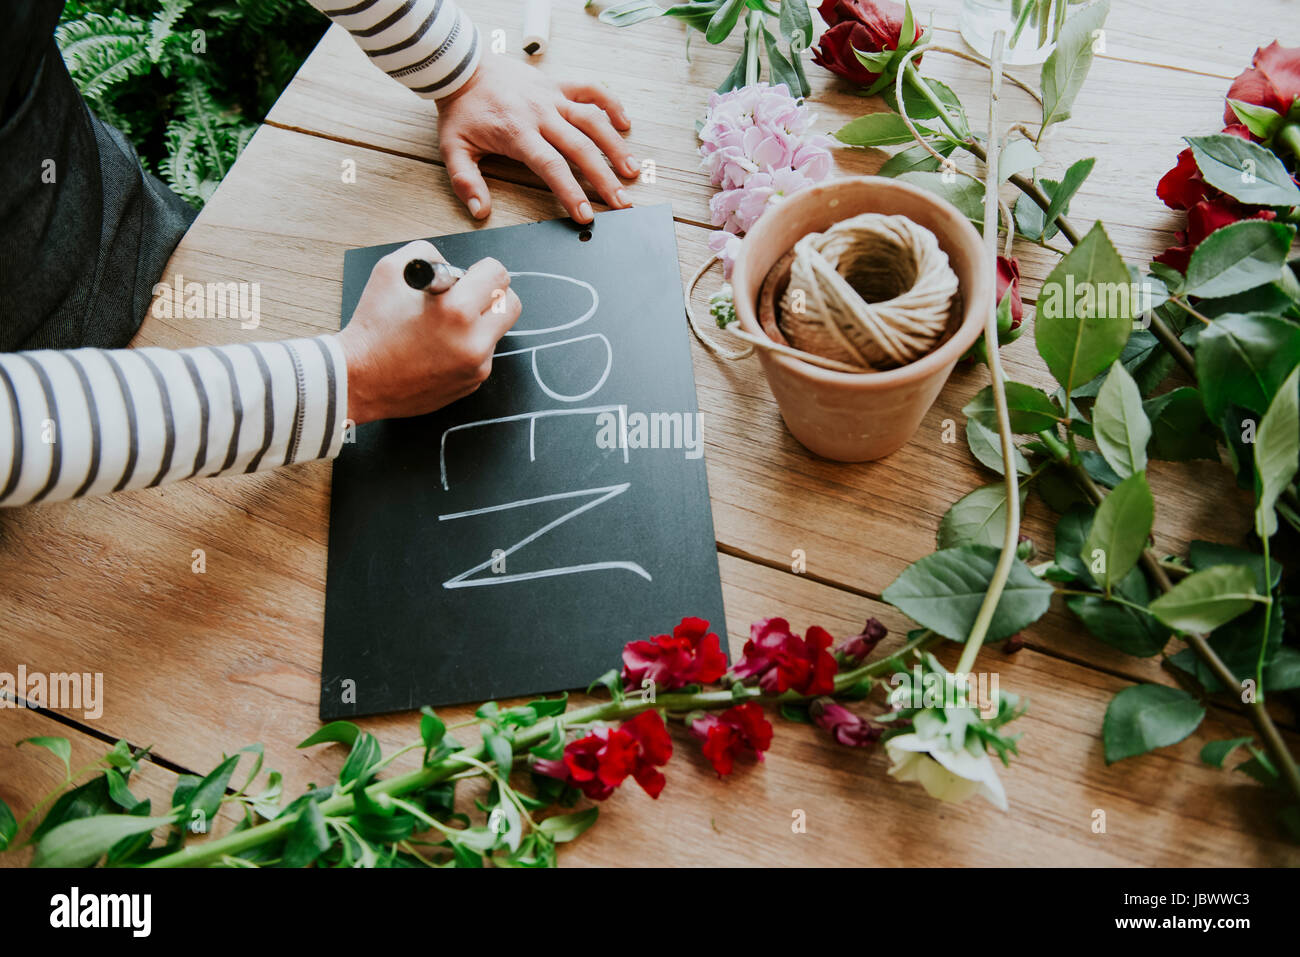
[513,109]
[409,352]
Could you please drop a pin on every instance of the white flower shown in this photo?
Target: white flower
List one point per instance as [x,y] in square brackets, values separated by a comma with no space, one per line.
[936,756]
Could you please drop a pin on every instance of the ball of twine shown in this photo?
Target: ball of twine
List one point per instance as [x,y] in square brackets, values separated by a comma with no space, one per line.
[874,291]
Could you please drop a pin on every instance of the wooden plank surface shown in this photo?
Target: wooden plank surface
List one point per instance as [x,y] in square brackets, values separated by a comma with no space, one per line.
[198,664]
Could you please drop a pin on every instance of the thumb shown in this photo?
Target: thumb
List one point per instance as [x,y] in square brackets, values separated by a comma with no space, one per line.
[467,182]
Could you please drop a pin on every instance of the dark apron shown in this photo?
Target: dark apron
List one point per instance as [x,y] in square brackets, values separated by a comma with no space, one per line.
[79,256]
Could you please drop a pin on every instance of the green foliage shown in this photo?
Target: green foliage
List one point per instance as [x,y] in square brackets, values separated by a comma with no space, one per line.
[187,81]
[1144,717]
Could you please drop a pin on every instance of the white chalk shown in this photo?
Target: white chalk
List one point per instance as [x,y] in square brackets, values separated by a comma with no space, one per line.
[537,26]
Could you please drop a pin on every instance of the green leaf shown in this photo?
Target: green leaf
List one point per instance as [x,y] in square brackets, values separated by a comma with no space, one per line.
[1260,120]
[943,592]
[1244,170]
[432,730]
[915,159]
[1204,600]
[1243,360]
[1119,531]
[783,70]
[309,838]
[1118,625]
[1018,156]
[1216,752]
[1083,317]
[626,14]
[365,754]
[1119,423]
[8,825]
[1145,717]
[1030,217]
[1067,67]
[82,842]
[977,518]
[567,827]
[344,732]
[1277,452]
[796,21]
[59,747]
[1029,409]
[1202,555]
[1180,430]
[963,192]
[736,78]
[1237,257]
[877,129]
[1064,192]
[206,797]
[499,750]
[722,22]
[118,790]
[1071,532]
[986,445]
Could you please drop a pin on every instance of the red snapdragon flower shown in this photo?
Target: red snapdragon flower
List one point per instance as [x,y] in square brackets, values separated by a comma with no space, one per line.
[845,727]
[599,762]
[689,655]
[1208,208]
[781,660]
[1272,81]
[855,650]
[871,26]
[737,730]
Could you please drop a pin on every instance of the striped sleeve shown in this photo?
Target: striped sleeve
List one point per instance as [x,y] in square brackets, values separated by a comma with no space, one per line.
[429,45]
[91,421]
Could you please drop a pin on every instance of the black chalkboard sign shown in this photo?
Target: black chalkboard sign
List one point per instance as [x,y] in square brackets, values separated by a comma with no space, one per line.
[514,541]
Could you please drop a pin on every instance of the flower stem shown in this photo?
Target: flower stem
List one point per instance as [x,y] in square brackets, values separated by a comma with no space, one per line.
[1256,711]
[342,805]
[1011,532]
[753,23]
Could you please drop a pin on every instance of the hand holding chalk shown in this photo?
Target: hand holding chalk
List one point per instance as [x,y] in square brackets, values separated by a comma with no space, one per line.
[431,277]
[423,333]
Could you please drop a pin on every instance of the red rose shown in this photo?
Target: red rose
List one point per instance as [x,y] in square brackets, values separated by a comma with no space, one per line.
[781,660]
[601,761]
[1272,81]
[845,727]
[1208,208]
[871,26]
[1009,278]
[735,731]
[689,655]
[855,650]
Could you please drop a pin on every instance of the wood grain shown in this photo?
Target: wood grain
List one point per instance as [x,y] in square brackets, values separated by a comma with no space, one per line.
[198,664]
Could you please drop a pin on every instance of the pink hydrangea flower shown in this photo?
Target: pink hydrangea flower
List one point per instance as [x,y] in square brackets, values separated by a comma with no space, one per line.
[757,149]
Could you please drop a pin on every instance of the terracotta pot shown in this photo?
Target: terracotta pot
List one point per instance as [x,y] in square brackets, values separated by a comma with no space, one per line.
[856,417]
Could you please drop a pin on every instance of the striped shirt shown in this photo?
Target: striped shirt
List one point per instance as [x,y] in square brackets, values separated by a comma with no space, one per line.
[429,45]
[90,421]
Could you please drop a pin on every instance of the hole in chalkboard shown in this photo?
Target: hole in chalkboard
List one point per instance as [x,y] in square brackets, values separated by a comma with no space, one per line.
[584,235]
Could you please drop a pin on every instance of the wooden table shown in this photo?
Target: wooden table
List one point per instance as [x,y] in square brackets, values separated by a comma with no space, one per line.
[198,663]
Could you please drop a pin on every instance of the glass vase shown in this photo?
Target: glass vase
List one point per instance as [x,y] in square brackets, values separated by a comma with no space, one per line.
[1031,27]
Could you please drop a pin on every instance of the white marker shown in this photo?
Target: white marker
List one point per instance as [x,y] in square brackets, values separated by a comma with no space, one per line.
[537,26]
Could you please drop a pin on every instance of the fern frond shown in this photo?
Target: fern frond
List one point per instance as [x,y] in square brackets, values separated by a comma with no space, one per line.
[101,51]
[180,168]
[197,108]
[162,25]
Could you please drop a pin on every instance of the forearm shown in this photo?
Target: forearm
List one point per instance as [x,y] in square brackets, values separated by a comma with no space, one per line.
[429,45]
[91,421]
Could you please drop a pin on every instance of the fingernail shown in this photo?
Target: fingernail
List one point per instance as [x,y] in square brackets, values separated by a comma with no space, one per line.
[621,196]
[474,206]
[584,212]
[633,167]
